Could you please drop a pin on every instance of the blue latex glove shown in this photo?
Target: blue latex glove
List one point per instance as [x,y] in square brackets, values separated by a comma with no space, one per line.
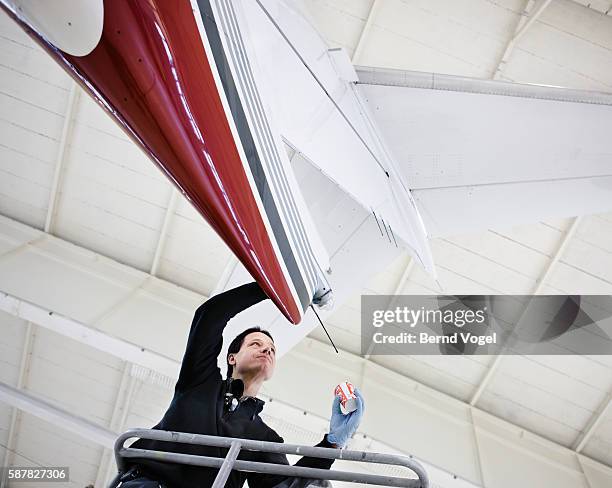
[342,427]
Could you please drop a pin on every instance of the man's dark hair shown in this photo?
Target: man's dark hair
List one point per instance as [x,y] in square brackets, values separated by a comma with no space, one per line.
[236,344]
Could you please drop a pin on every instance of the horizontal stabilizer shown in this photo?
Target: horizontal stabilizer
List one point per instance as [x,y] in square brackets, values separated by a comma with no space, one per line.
[478,154]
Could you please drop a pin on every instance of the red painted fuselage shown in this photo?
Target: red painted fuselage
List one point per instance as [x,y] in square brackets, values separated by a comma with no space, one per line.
[151,71]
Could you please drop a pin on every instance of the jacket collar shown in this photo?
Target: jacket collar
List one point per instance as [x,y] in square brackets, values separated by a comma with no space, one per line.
[254,403]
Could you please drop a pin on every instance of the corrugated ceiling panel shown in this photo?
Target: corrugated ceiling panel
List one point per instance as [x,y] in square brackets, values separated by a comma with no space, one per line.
[75,377]
[148,406]
[571,280]
[540,237]
[165,329]
[501,251]
[453,375]
[599,446]
[543,401]
[95,294]
[12,337]
[41,444]
[499,455]
[492,275]
[33,98]
[415,35]
[598,476]
[568,46]
[112,200]
[194,255]
[342,22]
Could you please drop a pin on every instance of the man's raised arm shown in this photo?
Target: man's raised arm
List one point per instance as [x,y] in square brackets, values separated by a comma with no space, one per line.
[206,334]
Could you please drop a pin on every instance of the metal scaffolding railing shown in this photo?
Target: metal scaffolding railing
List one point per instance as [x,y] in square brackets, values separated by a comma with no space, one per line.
[230,462]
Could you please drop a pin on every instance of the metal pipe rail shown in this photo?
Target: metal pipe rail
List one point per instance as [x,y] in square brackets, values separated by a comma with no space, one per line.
[234,445]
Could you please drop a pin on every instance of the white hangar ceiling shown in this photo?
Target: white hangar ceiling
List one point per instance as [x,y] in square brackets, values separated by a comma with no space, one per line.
[91,231]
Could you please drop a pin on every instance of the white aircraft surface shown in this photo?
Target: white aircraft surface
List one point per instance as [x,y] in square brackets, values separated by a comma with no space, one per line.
[387,159]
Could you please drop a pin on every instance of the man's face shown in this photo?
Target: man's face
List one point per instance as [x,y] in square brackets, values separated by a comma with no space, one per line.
[257,355]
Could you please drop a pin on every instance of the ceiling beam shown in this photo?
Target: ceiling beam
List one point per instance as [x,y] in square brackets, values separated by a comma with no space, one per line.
[592,424]
[533,9]
[399,287]
[163,234]
[365,31]
[88,335]
[486,380]
[587,480]
[226,274]
[122,301]
[22,247]
[42,409]
[121,408]
[33,245]
[64,143]
[477,448]
[563,243]
[22,380]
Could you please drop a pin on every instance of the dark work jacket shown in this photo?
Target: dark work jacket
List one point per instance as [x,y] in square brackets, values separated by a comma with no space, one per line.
[197,406]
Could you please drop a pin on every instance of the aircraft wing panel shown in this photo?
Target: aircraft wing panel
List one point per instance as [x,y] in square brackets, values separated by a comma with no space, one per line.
[319,114]
[478,154]
[453,211]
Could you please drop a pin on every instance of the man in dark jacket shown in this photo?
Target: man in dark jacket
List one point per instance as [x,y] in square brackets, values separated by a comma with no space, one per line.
[203,403]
